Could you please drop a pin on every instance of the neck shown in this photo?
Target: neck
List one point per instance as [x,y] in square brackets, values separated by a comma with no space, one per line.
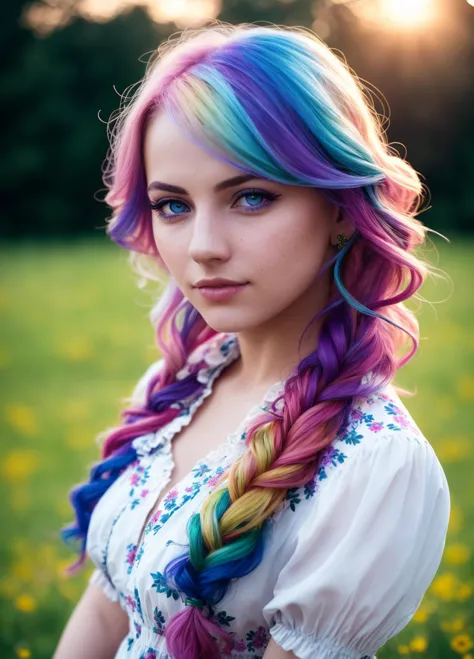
[270,352]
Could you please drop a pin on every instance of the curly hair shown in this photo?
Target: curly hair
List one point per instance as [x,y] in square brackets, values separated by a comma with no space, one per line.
[280,104]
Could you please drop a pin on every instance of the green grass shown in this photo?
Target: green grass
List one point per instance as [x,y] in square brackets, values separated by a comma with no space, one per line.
[75,337]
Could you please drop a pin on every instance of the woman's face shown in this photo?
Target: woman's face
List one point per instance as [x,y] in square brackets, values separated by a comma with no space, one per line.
[209,223]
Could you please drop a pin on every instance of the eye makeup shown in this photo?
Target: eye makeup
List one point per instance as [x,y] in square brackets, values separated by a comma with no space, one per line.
[179,207]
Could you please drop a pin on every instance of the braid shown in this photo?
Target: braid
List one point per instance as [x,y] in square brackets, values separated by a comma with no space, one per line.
[227,537]
[308,124]
[156,411]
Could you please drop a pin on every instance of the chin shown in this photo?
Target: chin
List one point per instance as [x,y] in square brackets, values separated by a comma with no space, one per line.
[227,321]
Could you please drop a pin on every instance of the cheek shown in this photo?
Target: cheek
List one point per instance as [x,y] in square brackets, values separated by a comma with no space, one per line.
[296,250]
[170,251]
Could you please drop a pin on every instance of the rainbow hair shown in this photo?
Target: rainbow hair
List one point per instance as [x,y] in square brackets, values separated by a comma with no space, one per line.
[278,103]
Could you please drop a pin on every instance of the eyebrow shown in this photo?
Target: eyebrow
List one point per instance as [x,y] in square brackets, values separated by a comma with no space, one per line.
[223,185]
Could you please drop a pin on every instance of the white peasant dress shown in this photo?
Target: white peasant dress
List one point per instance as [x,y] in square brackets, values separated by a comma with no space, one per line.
[348,558]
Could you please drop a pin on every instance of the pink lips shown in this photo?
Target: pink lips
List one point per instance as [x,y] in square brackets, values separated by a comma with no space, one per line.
[220,293]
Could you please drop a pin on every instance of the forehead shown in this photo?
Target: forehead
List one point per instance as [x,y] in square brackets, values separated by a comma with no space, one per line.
[171,156]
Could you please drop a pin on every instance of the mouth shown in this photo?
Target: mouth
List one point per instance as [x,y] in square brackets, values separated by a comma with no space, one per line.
[220,293]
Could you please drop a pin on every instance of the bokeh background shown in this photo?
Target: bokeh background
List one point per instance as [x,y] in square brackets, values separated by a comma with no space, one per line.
[75,334]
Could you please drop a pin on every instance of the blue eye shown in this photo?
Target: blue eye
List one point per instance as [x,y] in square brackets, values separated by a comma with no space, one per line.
[256,199]
[175,206]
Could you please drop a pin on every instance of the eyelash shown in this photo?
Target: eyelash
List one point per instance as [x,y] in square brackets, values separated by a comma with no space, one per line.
[156,206]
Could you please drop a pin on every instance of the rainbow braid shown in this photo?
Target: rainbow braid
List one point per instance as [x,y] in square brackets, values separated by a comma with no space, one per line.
[162,391]
[276,103]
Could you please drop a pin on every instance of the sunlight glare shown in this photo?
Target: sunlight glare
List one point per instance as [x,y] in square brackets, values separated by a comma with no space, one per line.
[409,13]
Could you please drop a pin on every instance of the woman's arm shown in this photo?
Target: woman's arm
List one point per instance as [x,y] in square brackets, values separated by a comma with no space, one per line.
[274,651]
[95,629]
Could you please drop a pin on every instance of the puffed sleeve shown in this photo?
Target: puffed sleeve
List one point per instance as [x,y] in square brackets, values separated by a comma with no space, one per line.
[367,550]
[99,579]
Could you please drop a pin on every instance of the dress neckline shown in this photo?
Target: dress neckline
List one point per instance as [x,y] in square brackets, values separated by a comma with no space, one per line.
[218,353]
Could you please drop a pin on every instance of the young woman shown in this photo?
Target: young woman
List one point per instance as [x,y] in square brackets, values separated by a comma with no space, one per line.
[268,494]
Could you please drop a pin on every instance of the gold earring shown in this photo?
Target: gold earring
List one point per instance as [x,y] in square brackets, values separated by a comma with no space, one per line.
[341,240]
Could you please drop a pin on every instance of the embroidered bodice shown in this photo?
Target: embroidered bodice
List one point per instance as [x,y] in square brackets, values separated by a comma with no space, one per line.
[348,556]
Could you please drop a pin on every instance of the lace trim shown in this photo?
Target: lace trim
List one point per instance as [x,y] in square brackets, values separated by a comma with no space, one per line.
[215,355]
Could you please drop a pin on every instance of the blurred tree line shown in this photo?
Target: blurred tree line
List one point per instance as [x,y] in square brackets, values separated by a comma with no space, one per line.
[57,92]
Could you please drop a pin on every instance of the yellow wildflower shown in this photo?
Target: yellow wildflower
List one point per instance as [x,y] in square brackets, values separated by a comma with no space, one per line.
[23,570]
[25,603]
[455,625]
[445,586]
[22,418]
[422,614]
[418,644]
[403,649]
[19,464]
[461,643]
[457,554]
[464,592]
[23,653]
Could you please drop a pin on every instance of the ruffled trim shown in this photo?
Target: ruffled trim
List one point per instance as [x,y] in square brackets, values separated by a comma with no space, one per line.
[307,646]
[216,356]
[213,357]
[99,579]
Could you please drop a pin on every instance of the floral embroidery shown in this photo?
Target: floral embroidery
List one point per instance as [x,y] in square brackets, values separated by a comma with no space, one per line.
[223,619]
[254,640]
[400,418]
[159,620]
[170,499]
[257,639]
[138,479]
[240,646]
[351,437]
[138,629]
[376,426]
[129,602]
[161,585]
[293,497]
[149,654]
[200,470]
[130,558]
[386,416]
[138,603]
[331,456]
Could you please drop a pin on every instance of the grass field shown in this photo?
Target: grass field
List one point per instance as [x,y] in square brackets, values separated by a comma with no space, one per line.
[75,337]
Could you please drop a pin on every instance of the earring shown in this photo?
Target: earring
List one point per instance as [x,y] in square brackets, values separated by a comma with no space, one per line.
[341,240]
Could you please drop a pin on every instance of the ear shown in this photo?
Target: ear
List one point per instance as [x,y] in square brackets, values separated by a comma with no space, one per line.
[341,225]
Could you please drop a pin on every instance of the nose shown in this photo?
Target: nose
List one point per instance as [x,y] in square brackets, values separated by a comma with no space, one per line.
[208,239]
